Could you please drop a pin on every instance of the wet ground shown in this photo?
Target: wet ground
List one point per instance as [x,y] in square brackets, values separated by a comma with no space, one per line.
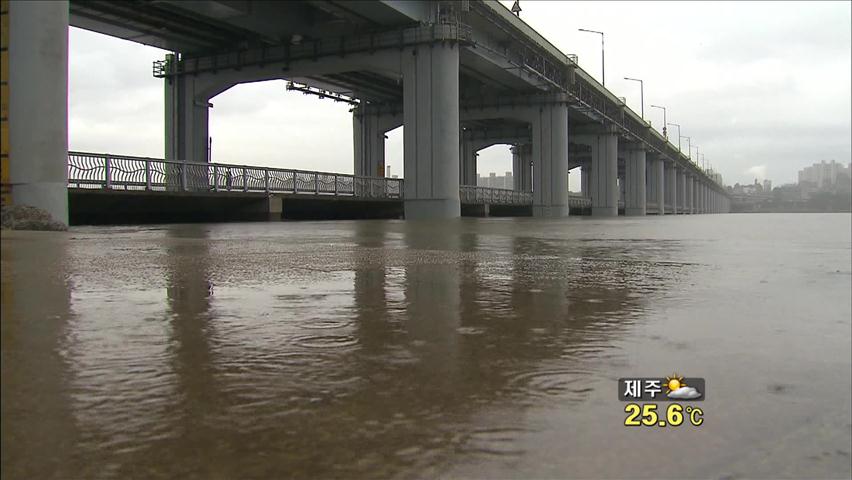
[479,348]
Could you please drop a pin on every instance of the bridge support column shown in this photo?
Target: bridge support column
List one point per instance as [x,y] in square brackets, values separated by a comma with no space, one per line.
[522,167]
[604,173]
[187,122]
[690,204]
[38,105]
[585,171]
[660,181]
[368,139]
[671,188]
[681,190]
[634,202]
[431,138]
[707,208]
[550,161]
[467,162]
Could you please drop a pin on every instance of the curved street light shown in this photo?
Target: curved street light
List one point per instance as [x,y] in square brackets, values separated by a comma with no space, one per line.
[603,67]
[678,134]
[641,93]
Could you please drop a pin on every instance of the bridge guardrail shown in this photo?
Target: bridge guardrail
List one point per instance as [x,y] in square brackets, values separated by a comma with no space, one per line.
[119,172]
[493,196]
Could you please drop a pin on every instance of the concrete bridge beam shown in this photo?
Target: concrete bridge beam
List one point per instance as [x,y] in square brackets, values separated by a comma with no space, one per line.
[635,196]
[38,105]
[431,138]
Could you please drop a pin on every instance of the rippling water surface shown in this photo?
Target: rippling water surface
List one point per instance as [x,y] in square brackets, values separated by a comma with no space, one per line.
[386,349]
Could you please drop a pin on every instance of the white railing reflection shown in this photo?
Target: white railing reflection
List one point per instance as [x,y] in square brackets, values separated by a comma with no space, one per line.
[118,172]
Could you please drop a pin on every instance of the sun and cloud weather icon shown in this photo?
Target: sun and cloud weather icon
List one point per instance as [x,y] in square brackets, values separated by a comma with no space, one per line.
[677,389]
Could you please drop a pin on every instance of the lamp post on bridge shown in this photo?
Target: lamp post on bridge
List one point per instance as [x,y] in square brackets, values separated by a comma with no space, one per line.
[641,93]
[688,146]
[678,134]
[603,64]
[665,132]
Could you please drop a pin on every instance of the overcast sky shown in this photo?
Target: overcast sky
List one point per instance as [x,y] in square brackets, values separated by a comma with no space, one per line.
[763,89]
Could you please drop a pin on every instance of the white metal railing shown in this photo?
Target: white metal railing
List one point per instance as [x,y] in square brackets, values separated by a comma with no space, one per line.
[579,201]
[493,196]
[119,172]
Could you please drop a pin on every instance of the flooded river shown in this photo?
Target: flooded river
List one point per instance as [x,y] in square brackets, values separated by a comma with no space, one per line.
[478,348]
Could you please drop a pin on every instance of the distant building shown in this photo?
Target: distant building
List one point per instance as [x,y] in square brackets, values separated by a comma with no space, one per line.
[493,181]
[767,185]
[388,174]
[824,176]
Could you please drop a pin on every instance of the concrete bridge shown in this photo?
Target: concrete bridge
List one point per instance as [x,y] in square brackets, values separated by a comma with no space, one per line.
[458,75]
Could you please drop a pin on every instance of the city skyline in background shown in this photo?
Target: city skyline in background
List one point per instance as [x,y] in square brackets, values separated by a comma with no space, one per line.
[742,84]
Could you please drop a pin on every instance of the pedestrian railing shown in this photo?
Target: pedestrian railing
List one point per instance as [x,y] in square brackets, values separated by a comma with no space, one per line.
[121,172]
[493,196]
[579,201]
[118,172]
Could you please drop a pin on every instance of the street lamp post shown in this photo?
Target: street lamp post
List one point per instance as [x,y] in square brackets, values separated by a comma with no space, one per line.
[603,65]
[641,93]
[665,134]
[678,134]
[688,146]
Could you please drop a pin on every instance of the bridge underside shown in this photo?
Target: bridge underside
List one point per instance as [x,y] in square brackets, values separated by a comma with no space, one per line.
[458,75]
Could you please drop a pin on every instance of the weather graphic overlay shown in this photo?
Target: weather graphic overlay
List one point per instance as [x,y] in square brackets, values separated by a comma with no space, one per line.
[651,400]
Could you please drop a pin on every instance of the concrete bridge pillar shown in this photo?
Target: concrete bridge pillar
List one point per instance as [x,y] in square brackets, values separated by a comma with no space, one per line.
[187,119]
[660,181]
[604,173]
[38,105]
[635,199]
[431,138]
[467,162]
[690,204]
[522,167]
[649,179]
[671,187]
[707,207]
[368,139]
[585,173]
[681,190]
[550,161]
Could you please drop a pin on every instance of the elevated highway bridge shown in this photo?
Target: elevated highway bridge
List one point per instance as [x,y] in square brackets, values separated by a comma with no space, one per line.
[459,75]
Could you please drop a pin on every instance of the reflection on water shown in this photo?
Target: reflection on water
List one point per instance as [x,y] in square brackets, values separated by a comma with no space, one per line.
[476,348]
